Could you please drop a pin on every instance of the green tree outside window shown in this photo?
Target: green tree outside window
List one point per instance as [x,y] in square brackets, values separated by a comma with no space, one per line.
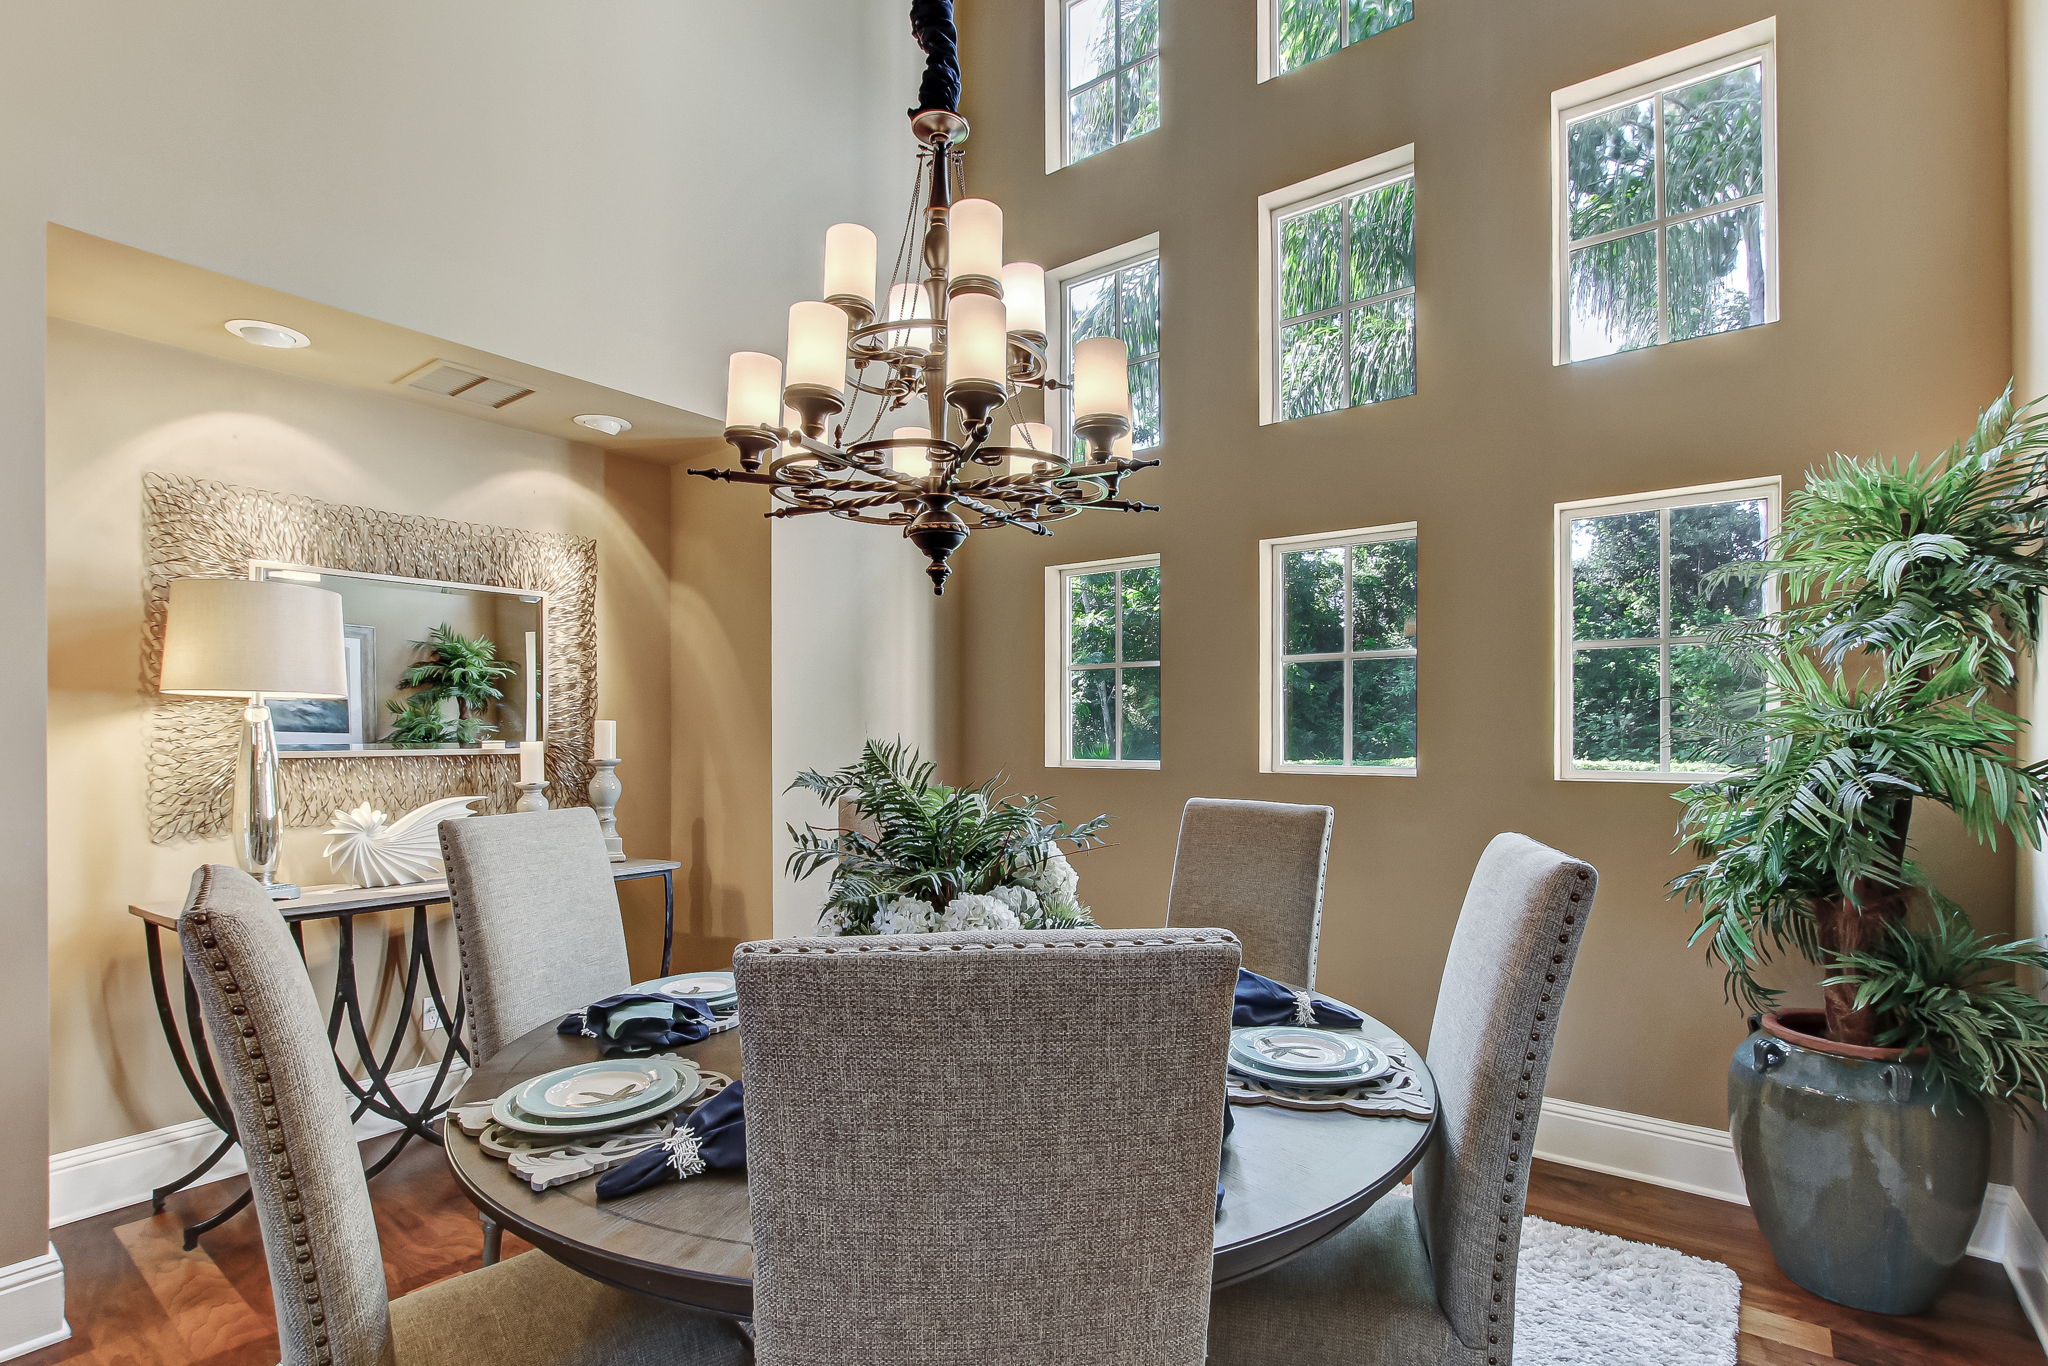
[1347,650]
[1112,664]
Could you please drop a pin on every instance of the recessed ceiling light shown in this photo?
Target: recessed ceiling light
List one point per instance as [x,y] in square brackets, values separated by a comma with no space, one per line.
[603,422]
[256,332]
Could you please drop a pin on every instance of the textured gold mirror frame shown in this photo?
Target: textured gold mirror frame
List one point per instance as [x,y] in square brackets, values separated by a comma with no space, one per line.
[200,528]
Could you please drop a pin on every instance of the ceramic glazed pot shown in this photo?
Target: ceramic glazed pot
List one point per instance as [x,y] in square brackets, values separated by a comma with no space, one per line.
[1865,1175]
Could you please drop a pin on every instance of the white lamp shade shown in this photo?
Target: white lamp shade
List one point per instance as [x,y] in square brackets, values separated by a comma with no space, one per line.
[977,340]
[849,262]
[817,346]
[753,389]
[1024,296]
[1102,383]
[976,233]
[241,637]
[1035,436]
[914,461]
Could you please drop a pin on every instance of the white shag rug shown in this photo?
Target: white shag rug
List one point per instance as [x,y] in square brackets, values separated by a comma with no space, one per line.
[1591,1299]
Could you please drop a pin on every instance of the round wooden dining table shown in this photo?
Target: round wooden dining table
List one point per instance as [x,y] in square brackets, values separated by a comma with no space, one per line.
[1290,1179]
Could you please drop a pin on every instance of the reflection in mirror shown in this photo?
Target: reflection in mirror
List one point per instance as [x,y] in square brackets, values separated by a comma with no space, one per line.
[432,667]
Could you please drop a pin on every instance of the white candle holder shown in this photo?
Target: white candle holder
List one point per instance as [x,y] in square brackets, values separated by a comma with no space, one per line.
[531,798]
[604,799]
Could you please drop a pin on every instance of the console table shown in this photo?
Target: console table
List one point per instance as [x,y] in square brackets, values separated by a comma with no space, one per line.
[373,1092]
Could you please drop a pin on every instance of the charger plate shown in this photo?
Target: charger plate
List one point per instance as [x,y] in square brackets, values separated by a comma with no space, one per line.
[542,1160]
[1398,1094]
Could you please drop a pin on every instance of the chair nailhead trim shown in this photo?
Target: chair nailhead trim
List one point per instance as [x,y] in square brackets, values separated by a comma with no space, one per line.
[273,1124]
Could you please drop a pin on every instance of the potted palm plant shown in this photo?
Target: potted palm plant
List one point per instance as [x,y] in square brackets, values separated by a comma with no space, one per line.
[919,856]
[461,669]
[1912,589]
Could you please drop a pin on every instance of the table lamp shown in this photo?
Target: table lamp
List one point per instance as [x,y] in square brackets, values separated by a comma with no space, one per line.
[254,638]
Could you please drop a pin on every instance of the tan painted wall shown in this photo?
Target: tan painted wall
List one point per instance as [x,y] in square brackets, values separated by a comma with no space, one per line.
[1895,331]
[119,407]
[2030,369]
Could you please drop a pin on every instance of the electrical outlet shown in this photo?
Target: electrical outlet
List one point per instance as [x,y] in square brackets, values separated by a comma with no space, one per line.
[430,1017]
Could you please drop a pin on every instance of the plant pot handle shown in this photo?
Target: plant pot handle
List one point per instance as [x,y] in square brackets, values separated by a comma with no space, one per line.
[1898,1082]
[1768,1053]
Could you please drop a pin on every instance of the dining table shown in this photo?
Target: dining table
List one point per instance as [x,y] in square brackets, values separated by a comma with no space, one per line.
[1290,1179]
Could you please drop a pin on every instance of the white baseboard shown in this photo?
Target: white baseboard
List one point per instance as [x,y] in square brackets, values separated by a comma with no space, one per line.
[32,1305]
[123,1171]
[1689,1158]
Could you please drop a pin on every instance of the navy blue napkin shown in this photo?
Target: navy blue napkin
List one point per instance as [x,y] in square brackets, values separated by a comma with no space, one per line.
[1229,1123]
[1263,1001]
[713,1138]
[636,1022]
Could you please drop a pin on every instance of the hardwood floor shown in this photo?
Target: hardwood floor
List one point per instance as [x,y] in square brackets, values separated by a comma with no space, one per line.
[137,1299]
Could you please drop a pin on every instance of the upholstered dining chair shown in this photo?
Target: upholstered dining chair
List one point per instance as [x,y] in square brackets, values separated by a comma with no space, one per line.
[1256,869]
[967,1148]
[537,917]
[313,1205]
[537,914]
[1431,1279]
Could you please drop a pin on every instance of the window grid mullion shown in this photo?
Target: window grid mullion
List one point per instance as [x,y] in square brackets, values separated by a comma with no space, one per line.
[1658,162]
[1116,697]
[1349,639]
[1637,229]
[1663,638]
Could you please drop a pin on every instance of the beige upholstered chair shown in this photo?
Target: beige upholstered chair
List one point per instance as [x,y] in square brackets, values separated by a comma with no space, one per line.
[538,916]
[326,1271]
[1256,869]
[1432,1279]
[968,1149]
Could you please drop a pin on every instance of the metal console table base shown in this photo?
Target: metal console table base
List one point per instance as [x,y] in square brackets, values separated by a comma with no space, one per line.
[373,1092]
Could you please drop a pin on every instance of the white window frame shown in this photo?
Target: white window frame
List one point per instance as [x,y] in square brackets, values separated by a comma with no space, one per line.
[1564,643]
[1061,345]
[1272,662]
[1057,125]
[1274,205]
[1269,41]
[1058,649]
[1752,43]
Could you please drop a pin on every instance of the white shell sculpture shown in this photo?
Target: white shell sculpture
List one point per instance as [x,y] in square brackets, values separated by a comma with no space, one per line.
[371,850]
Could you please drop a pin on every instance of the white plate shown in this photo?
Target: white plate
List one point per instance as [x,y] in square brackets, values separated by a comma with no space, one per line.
[506,1111]
[708,986]
[1298,1048]
[590,1089]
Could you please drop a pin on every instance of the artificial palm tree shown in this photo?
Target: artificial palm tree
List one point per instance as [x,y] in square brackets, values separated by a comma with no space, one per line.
[1913,588]
[461,669]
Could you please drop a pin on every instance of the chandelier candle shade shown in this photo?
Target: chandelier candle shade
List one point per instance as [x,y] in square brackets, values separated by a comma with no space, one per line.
[958,337]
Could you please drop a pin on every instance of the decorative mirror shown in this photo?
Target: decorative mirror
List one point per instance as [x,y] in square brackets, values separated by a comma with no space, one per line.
[433,668]
[401,577]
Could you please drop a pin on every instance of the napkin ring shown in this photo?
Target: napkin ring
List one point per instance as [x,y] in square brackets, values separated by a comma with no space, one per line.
[685,1151]
[1304,1008]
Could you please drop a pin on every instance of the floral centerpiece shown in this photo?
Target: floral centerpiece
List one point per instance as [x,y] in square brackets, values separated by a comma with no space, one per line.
[919,856]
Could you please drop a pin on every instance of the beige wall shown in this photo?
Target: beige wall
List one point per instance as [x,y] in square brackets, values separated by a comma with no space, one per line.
[1895,330]
[2030,369]
[119,407]
[566,185]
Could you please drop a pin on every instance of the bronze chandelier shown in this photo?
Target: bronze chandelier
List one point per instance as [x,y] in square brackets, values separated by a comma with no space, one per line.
[956,337]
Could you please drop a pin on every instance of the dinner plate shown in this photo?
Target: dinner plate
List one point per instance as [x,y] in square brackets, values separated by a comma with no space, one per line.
[1305,1081]
[590,1089]
[715,989]
[507,1111]
[1298,1048]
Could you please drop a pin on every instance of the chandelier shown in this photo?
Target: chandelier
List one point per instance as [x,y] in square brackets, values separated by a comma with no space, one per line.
[955,338]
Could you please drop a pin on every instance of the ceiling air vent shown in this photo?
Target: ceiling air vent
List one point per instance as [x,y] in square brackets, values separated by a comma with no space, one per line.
[452,381]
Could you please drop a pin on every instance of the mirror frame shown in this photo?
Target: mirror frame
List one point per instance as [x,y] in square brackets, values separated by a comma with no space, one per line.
[203,528]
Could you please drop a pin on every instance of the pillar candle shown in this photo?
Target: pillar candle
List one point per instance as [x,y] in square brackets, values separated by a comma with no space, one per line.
[607,739]
[533,764]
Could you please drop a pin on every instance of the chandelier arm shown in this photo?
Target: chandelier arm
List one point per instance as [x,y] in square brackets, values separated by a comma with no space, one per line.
[998,516]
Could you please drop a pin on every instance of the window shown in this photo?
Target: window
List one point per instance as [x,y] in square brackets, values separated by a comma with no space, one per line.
[1339,618]
[1639,681]
[1666,199]
[1116,294]
[1109,87]
[1338,281]
[1300,31]
[1102,703]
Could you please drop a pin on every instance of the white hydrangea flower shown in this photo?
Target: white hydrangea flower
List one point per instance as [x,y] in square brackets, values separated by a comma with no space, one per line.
[982,913]
[906,915]
[1022,901]
[1054,880]
[833,921]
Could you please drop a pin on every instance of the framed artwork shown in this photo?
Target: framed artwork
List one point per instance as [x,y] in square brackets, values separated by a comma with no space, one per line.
[316,723]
